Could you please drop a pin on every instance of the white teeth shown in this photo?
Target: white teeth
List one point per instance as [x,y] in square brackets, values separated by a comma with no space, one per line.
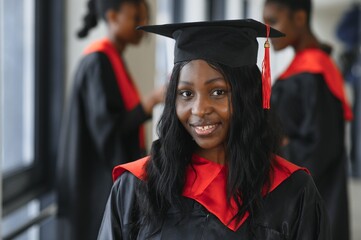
[204,128]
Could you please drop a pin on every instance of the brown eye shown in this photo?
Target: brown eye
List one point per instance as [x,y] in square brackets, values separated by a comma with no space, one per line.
[218,92]
[185,93]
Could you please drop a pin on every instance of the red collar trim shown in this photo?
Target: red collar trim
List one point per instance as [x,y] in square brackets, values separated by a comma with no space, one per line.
[137,168]
[128,90]
[316,61]
[206,184]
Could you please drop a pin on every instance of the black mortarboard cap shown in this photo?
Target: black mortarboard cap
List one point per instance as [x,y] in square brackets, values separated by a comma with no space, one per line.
[230,42]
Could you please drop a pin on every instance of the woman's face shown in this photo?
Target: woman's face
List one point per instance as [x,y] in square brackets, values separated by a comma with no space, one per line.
[280,17]
[127,19]
[203,105]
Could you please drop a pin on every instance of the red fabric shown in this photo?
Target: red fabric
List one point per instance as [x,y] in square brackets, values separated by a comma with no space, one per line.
[316,61]
[206,184]
[135,167]
[266,74]
[127,89]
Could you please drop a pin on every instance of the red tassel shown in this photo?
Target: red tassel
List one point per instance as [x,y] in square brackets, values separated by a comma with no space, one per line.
[266,74]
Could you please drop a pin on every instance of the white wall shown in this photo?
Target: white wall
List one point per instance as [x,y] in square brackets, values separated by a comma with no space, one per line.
[139,59]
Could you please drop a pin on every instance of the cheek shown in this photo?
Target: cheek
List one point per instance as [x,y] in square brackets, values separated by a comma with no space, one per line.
[230,111]
[225,111]
[129,29]
[227,108]
[125,26]
[181,111]
[227,114]
[287,28]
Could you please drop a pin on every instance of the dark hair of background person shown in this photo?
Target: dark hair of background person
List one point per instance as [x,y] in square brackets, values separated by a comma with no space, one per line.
[97,9]
[251,143]
[295,5]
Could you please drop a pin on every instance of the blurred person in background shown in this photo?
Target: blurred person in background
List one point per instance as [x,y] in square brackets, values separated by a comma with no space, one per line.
[309,100]
[349,32]
[103,123]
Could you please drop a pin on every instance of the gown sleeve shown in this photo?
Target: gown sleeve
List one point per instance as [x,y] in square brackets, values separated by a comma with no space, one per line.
[121,211]
[312,218]
[106,116]
[294,210]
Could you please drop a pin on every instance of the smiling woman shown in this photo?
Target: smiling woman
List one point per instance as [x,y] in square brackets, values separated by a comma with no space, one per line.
[214,173]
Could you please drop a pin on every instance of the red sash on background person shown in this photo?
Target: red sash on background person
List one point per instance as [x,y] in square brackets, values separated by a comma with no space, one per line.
[313,60]
[127,89]
[206,184]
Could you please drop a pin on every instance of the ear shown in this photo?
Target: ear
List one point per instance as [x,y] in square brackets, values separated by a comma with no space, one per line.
[300,18]
[111,16]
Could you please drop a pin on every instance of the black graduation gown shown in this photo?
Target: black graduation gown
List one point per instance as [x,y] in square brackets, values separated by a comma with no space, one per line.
[97,134]
[294,210]
[312,119]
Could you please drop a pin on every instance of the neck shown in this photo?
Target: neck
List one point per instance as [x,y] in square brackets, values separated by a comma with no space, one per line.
[119,45]
[214,155]
[306,40]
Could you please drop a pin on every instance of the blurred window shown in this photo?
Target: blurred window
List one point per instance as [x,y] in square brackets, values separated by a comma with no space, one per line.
[31,103]
[17,49]
[21,216]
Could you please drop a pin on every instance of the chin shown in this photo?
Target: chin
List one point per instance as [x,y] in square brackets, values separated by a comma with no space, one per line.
[137,40]
[134,42]
[206,144]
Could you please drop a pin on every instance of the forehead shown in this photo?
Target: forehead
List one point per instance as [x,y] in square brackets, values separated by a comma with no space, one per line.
[198,71]
[132,7]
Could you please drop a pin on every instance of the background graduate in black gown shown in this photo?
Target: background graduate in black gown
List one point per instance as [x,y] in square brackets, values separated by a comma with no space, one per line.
[103,121]
[310,101]
[349,32]
[213,172]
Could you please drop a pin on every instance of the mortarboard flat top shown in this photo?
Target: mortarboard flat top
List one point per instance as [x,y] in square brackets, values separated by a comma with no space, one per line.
[230,42]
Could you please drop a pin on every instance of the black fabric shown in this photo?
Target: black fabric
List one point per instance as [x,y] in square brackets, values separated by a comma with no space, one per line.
[97,134]
[230,42]
[294,210]
[312,119]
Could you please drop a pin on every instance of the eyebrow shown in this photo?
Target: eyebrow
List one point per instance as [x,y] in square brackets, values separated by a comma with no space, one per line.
[207,82]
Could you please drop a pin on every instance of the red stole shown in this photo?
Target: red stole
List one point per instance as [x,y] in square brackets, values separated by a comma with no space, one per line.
[316,61]
[127,89]
[206,184]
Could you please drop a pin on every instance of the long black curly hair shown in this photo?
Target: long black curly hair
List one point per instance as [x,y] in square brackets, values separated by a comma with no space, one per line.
[251,143]
[97,9]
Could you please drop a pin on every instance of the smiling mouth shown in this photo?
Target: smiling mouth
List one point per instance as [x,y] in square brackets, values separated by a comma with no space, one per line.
[204,130]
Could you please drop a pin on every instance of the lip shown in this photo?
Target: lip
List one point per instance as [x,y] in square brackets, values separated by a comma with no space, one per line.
[204,130]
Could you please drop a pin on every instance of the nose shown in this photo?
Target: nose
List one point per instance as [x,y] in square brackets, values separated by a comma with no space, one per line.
[201,106]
